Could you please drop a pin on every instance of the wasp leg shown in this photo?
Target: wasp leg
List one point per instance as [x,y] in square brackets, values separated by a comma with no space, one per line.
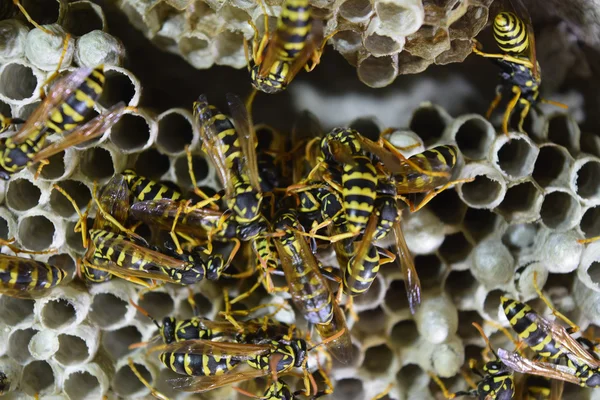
[494,104]
[55,73]
[526,106]
[39,169]
[441,385]
[384,393]
[509,109]
[573,328]
[431,195]
[197,190]
[81,225]
[153,391]
[315,58]
[505,57]
[386,144]
[9,243]
[555,103]
[31,21]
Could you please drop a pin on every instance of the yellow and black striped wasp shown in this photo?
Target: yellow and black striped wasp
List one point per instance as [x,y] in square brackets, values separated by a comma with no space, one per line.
[296,43]
[26,278]
[308,287]
[60,112]
[280,390]
[551,342]
[6,122]
[520,71]
[497,379]
[210,364]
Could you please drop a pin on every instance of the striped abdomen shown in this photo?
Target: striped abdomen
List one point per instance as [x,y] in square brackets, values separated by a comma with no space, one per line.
[15,157]
[146,189]
[510,33]
[129,257]
[438,159]
[359,277]
[294,24]
[386,208]
[198,364]
[359,182]
[28,275]
[211,119]
[73,111]
[529,331]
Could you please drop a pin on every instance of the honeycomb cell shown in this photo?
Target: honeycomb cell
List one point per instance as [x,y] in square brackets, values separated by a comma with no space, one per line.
[368,127]
[423,231]
[204,306]
[377,72]
[382,45]
[65,262]
[38,378]
[19,83]
[348,389]
[492,263]
[372,320]
[461,286]
[117,342]
[491,305]
[107,309]
[400,18]
[585,178]
[561,129]
[448,207]
[55,169]
[372,297]
[560,210]
[120,85]
[79,346]
[430,270]
[7,225]
[157,304]
[515,155]
[36,232]
[378,359]
[98,47]
[77,190]
[82,17]
[22,195]
[465,324]
[58,313]
[429,122]
[488,188]
[478,224]
[45,51]
[356,10]
[196,49]
[455,249]
[404,334]
[396,296]
[590,222]
[97,164]
[43,345]
[552,166]
[522,203]
[14,34]
[81,385]
[18,344]
[200,168]
[126,384]
[152,164]
[437,319]
[15,312]
[474,136]
[521,238]
[134,132]
[175,131]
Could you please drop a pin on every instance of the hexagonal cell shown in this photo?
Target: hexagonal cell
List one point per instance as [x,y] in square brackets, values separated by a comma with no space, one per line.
[58,313]
[4,228]
[107,309]
[18,343]
[117,342]
[486,190]
[455,248]
[552,164]
[448,207]
[354,360]
[461,286]
[82,385]
[474,137]
[117,87]
[560,210]
[586,176]
[73,239]
[200,167]
[77,190]
[372,321]
[367,127]
[428,123]
[175,131]
[520,237]
[125,383]
[40,378]
[404,333]
[378,359]
[82,18]
[65,262]
[152,164]
[22,195]
[522,203]
[14,311]
[590,222]
[97,164]
[17,81]
[54,169]
[516,157]
[356,10]
[408,375]
[378,72]
[131,132]
[73,350]
[36,232]
[430,270]
[396,296]
[491,304]
[157,304]
[465,324]
[348,389]
[478,224]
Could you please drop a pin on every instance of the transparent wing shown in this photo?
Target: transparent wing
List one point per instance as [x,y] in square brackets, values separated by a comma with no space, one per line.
[58,94]
[247,136]
[115,201]
[522,12]
[525,366]
[411,278]
[237,351]
[199,384]
[313,42]
[83,133]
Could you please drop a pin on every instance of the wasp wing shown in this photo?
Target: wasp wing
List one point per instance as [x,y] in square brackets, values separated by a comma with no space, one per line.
[114,199]
[247,137]
[313,43]
[199,384]
[404,258]
[58,94]
[522,12]
[525,366]
[83,133]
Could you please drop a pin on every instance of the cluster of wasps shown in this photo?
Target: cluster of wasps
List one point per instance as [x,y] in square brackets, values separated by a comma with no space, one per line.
[289,201]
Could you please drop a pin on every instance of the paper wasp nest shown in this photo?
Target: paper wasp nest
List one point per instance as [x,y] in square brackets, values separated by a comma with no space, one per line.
[381,38]
[531,198]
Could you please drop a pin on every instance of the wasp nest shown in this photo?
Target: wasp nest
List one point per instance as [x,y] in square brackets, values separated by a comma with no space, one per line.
[531,198]
[381,38]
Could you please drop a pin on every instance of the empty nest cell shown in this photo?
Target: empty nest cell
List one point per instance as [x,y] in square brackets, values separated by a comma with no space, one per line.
[73,350]
[65,262]
[107,309]
[126,384]
[175,131]
[448,207]
[204,306]
[54,169]
[77,190]
[378,359]
[158,304]
[14,311]
[120,85]
[117,342]
[455,248]
[552,163]
[38,378]
[586,179]
[560,210]
[395,296]
[36,232]
[132,132]
[5,227]
[368,127]
[372,321]
[430,269]
[58,313]
[83,17]
[18,344]
[18,82]
[562,130]
[486,190]
[200,168]
[22,195]
[152,164]
[491,304]
[428,123]
[479,223]
[349,389]
[515,157]
[97,164]
[461,286]
[474,137]
[81,385]
[356,10]
[378,72]
[590,222]
[72,238]
[521,203]
[404,333]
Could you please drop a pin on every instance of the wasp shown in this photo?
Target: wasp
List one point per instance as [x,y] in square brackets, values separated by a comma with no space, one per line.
[26,278]
[520,72]
[553,342]
[497,379]
[279,390]
[58,112]
[6,122]
[296,43]
[309,290]
[143,189]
